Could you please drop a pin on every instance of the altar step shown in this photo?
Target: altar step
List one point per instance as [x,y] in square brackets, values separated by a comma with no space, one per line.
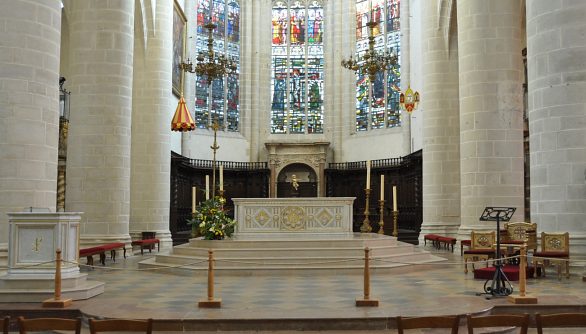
[276,256]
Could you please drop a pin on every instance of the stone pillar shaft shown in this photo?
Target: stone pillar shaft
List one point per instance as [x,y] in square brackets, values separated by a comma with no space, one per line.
[151,147]
[30,32]
[490,40]
[557,117]
[441,164]
[98,165]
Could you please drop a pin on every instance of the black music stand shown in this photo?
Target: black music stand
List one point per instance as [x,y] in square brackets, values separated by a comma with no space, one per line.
[500,285]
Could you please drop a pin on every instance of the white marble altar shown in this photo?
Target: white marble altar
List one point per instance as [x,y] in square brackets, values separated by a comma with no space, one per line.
[287,217]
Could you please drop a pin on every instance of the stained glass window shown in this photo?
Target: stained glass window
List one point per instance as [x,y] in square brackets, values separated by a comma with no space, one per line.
[221,97]
[297,67]
[378,108]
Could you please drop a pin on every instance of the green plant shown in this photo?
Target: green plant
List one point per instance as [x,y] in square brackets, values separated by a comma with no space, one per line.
[211,221]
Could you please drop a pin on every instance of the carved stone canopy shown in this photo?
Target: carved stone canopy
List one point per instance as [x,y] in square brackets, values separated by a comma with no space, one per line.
[283,154]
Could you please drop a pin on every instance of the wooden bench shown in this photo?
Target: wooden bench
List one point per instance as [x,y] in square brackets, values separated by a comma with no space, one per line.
[432,238]
[90,252]
[446,242]
[101,250]
[147,242]
[439,240]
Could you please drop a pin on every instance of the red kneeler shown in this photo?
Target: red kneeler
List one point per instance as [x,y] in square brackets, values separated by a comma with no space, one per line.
[511,271]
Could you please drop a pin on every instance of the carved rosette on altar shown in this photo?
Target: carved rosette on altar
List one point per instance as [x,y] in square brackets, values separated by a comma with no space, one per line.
[283,216]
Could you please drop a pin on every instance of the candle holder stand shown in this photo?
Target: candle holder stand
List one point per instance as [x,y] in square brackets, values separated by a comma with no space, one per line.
[395,219]
[366,228]
[381,222]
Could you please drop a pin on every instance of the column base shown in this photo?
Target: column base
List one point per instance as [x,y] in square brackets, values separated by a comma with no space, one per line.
[214,303]
[366,302]
[61,303]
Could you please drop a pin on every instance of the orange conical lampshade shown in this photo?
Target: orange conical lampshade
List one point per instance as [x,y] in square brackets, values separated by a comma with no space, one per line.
[182,120]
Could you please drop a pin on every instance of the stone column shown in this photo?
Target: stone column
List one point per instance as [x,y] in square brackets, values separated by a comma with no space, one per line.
[98,165]
[490,39]
[439,103]
[151,147]
[30,35]
[556,51]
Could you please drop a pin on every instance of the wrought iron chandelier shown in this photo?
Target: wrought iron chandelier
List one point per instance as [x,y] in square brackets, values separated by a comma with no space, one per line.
[372,62]
[209,64]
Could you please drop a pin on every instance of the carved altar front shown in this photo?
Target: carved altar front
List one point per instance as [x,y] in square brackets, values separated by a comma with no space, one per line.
[285,217]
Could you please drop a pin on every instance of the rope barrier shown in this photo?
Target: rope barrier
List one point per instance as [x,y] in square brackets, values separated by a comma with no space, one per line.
[290,263]
[137,269]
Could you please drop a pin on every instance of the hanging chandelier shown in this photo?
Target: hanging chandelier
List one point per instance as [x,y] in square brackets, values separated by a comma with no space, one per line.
[371,62]
[209,64]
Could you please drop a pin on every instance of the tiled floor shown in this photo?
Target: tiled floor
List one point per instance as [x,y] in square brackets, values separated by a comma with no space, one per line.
[440,288]
[414,290]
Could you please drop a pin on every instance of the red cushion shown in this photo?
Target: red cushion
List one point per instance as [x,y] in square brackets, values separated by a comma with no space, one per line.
[466,242]
[113,245]
[431,236]
[447,239]
[551,254]
[91,250]
[145,241]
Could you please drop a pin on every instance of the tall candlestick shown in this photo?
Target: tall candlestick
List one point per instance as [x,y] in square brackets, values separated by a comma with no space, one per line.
[367,174]
[382,187]
[193,199]
[222,177]
[207,187]
[394,198]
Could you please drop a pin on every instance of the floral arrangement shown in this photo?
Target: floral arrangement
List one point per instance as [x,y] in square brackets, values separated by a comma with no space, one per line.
[211,221]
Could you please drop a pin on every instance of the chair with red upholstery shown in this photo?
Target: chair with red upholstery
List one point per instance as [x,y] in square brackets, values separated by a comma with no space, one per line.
[481,247]
[555,249]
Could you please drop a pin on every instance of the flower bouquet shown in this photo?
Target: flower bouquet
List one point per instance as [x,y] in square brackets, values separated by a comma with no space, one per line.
[211,221]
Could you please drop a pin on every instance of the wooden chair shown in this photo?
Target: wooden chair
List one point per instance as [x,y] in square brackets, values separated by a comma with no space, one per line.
[500,320]
[555,249]
[452,322]
[49,324]
[559,320]
[121,325]
[481,247]
[520,233]
[5,323]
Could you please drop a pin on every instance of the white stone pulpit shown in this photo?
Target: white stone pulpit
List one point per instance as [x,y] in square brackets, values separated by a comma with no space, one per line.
[32,244]
[36,236]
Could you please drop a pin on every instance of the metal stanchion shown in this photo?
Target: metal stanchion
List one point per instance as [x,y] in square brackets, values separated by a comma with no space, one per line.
[522,298]
[210,302]
[366,301]
[56,301]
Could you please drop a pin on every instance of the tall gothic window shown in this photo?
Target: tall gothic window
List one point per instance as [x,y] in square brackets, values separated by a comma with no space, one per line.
[297,68]
[219,101]
[380,108]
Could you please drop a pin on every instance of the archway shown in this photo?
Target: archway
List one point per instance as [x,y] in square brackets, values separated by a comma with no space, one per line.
[305,176]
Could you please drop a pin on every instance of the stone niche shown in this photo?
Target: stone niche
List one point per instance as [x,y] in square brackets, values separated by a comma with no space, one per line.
[314,155]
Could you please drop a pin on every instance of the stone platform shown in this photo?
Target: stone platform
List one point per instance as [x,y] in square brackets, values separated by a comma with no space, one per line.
[291,253]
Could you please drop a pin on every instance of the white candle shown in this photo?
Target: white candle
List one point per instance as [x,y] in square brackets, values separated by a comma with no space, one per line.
[222,177]
[193,199]
[382,187]
[207,187]
[367,174]
[394,198]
